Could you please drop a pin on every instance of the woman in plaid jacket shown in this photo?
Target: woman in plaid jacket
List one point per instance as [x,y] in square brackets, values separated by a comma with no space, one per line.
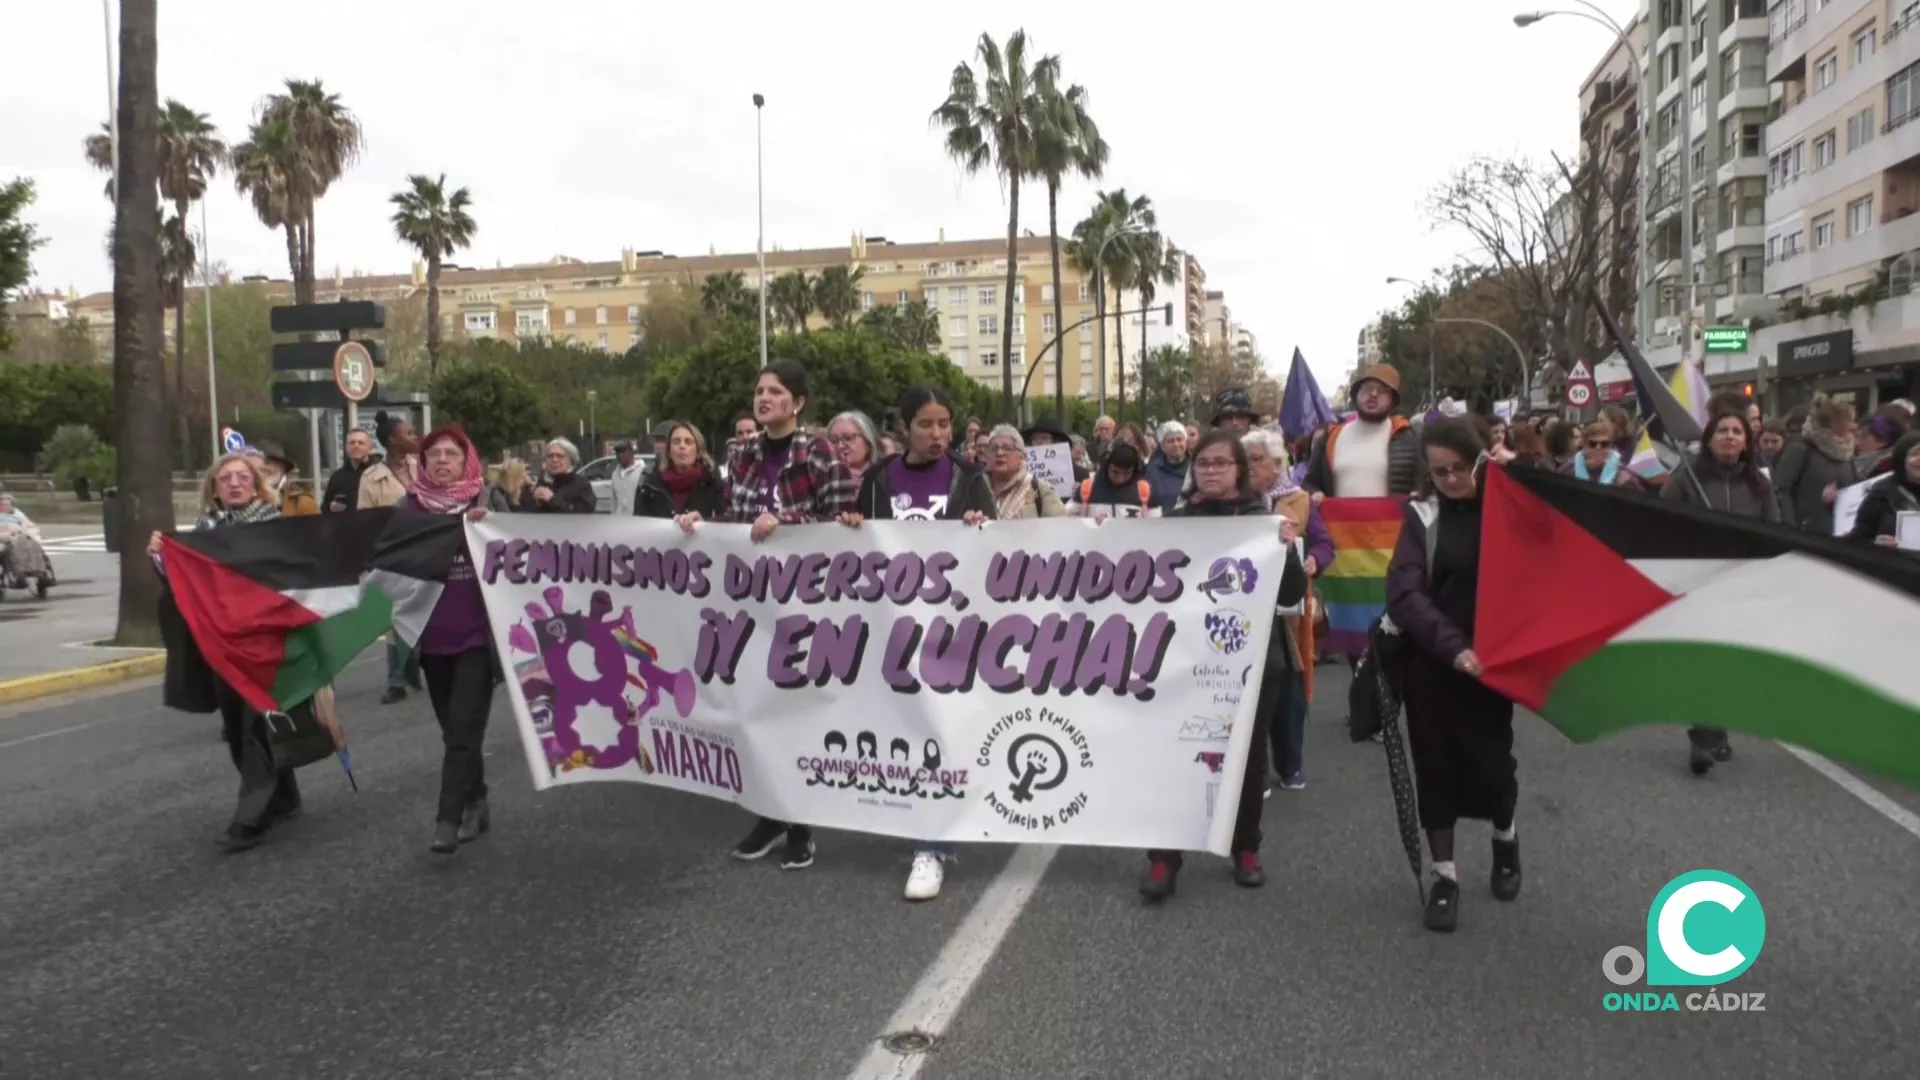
[781,476]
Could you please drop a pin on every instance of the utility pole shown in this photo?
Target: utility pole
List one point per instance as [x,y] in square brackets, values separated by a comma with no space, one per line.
[1686,185]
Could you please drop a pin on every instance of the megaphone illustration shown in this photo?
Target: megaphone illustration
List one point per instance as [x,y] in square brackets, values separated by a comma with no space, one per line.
[1228,576]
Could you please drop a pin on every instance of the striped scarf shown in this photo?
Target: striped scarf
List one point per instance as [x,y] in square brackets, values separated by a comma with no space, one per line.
[257,510]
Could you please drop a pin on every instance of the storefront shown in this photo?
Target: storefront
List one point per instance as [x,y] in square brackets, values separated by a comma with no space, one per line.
[1822,363]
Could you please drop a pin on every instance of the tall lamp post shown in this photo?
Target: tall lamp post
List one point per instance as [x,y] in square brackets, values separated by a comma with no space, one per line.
[113,105]
[760,204]
[1643,268]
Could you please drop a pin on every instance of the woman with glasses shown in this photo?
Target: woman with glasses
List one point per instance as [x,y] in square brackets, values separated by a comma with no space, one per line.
[854,442]
[1597,459]
[1015,492]
[1460,731]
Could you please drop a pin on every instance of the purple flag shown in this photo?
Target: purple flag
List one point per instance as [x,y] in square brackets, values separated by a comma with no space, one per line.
[1304,407]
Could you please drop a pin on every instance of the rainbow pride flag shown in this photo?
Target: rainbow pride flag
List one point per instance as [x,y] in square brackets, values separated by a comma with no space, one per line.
[1355,586]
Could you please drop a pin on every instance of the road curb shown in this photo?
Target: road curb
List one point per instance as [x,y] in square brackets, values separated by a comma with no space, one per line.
[81,678]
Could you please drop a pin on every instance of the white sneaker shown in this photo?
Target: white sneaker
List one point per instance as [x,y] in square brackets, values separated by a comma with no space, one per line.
[923,882]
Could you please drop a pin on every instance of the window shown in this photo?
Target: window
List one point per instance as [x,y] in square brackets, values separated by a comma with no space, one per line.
[1018,357]
[1859,216]
[989,358]
[901,298]
[1697,93]
[1796,243]
[1823,150]
[989,296]
[530,322]
[1086,291]
[958,356]
[1046,294]
[570,316]
[1086,384]
[633,314]
[1863,44]
[1826,71]
[989,324]
[1700,34]
[1902,101]
[600,316]
[932,296]
[1822,231]
[479,320]
[957,296]
[604,346]
[866,301]
[1019,324]
[1086,353]
[956,326]
[1860,128]
[1783,168]
[1046,324]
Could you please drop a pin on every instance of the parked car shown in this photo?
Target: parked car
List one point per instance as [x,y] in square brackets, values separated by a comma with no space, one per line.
[599,473]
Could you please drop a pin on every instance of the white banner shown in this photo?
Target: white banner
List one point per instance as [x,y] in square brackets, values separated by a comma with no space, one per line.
[1029,681]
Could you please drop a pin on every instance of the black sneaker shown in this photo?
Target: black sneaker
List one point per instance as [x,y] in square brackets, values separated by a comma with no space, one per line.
[393,695]
[766,835]
[1162,877]
[1443,904]
[1506,868]
[1722,749]
[240,838]
[1699,759]
[798,853]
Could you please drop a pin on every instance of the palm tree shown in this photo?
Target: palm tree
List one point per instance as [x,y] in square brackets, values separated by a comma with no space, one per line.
[1068,141]
[190,153]
[139,373]
[268,169]
[437,224]
[837,294]
[791,297]
[301,142]
[100,154]
[1104,244]
[919,326]
[177,258]
[1156,264]
[724,294]
[884,321]
[990,120]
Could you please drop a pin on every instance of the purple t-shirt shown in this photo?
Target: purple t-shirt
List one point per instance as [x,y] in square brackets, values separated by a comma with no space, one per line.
[459,619]
[920,493]
[771,466]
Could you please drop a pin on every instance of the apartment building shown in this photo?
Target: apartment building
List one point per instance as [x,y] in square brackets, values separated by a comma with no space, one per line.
[599,304]
[1186,296]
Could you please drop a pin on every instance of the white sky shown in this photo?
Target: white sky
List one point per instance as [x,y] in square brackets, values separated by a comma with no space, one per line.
[1288,152]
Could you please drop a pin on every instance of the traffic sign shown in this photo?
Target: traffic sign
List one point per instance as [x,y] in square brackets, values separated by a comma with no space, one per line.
[318,355]
[1580,387]
[232,440]
[317,395]
[322,318]
[353,371]
[1725,339]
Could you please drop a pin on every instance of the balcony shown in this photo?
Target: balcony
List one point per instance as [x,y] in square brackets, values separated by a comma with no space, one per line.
[1892,148]
[1787,46]
[1668,39]
[1737,236]
[1895,236]
[1751,96]
[1746,165]
[1668,94]
[1900,50]
[1742,30]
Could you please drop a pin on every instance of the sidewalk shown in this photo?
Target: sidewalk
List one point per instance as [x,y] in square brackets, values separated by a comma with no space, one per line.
[42,636]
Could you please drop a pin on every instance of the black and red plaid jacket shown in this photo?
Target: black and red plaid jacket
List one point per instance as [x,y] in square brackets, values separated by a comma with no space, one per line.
[813,486]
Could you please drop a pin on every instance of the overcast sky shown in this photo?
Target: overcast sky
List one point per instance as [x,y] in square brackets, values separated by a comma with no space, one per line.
[1288,146]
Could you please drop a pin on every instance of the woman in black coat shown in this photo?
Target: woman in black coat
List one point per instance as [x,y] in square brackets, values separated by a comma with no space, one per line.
[564,491]
[685,482]
[1223,487]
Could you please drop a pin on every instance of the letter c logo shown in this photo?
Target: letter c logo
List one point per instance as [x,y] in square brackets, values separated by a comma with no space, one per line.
[1728,928]
[1673,929]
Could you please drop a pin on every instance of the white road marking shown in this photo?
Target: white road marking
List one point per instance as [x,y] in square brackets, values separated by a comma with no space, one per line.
[943,987]
[58,731]
[1859,789]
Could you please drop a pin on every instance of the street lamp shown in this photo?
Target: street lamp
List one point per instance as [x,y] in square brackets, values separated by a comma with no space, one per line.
[593,423]
[1643,270]
[760,203]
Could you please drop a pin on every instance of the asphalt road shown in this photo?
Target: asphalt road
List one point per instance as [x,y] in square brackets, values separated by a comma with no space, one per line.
[601,932]
[37,636]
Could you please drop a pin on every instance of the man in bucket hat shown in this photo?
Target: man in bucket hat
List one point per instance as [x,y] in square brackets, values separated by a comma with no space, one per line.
[1375,454]
[1233,409]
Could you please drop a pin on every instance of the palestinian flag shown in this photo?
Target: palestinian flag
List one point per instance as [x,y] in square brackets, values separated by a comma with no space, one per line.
[1602,609]
[277,608]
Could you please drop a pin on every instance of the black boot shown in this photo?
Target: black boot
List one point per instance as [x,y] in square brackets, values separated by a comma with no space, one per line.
[1443,904]
[1722,748]
[474,822]
[1506,868]
[1161,879]
[446,838]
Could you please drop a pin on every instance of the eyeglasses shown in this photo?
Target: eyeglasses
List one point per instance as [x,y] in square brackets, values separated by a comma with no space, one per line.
[1599,444]
[1449,472]
[1004,448]
[1213,464]
[843,440]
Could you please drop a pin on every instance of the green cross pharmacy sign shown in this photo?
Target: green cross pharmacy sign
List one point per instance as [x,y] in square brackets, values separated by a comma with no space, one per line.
[1731,339]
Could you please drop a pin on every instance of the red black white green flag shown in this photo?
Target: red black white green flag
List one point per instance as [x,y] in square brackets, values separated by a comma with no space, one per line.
[1601,609]
[278,608]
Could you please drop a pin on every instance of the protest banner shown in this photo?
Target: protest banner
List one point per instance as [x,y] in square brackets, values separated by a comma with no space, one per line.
[1052,464]
[1030,681]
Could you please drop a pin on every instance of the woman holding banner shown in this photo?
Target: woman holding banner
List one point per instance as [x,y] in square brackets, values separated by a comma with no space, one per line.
[928,482]
[456,646]
[1273,477]
[1223,487]
[780,476]
[1016,494]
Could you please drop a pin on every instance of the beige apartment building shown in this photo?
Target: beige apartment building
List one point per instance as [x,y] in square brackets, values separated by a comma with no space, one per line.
[598,304]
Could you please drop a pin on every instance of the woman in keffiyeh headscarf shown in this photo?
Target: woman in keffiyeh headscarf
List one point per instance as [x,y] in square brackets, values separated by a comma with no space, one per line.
[456,650]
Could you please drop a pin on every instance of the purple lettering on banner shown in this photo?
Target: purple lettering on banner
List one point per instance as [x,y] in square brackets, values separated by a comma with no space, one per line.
[691,570]
[1149,652]
[999,640]
[837,651]
[543,563]
[787,649]
[622,565]
[936,588]
[1096,577]
[843,574]
[722,639]
[813,571]
[902,642]
[873,569]
[490,563]
[785,577]
[1058,644]
[739,578]
[664,756]
[1167,569]
[1104,661]
[903,578]
[949,653]
[516,562]
[1003,576]
[704,761]
[1133,576]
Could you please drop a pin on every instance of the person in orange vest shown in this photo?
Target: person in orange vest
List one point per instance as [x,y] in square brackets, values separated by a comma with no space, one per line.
[1375,454]
[1118,487]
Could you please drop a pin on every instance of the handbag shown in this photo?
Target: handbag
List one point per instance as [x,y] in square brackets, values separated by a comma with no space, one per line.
[297,738]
